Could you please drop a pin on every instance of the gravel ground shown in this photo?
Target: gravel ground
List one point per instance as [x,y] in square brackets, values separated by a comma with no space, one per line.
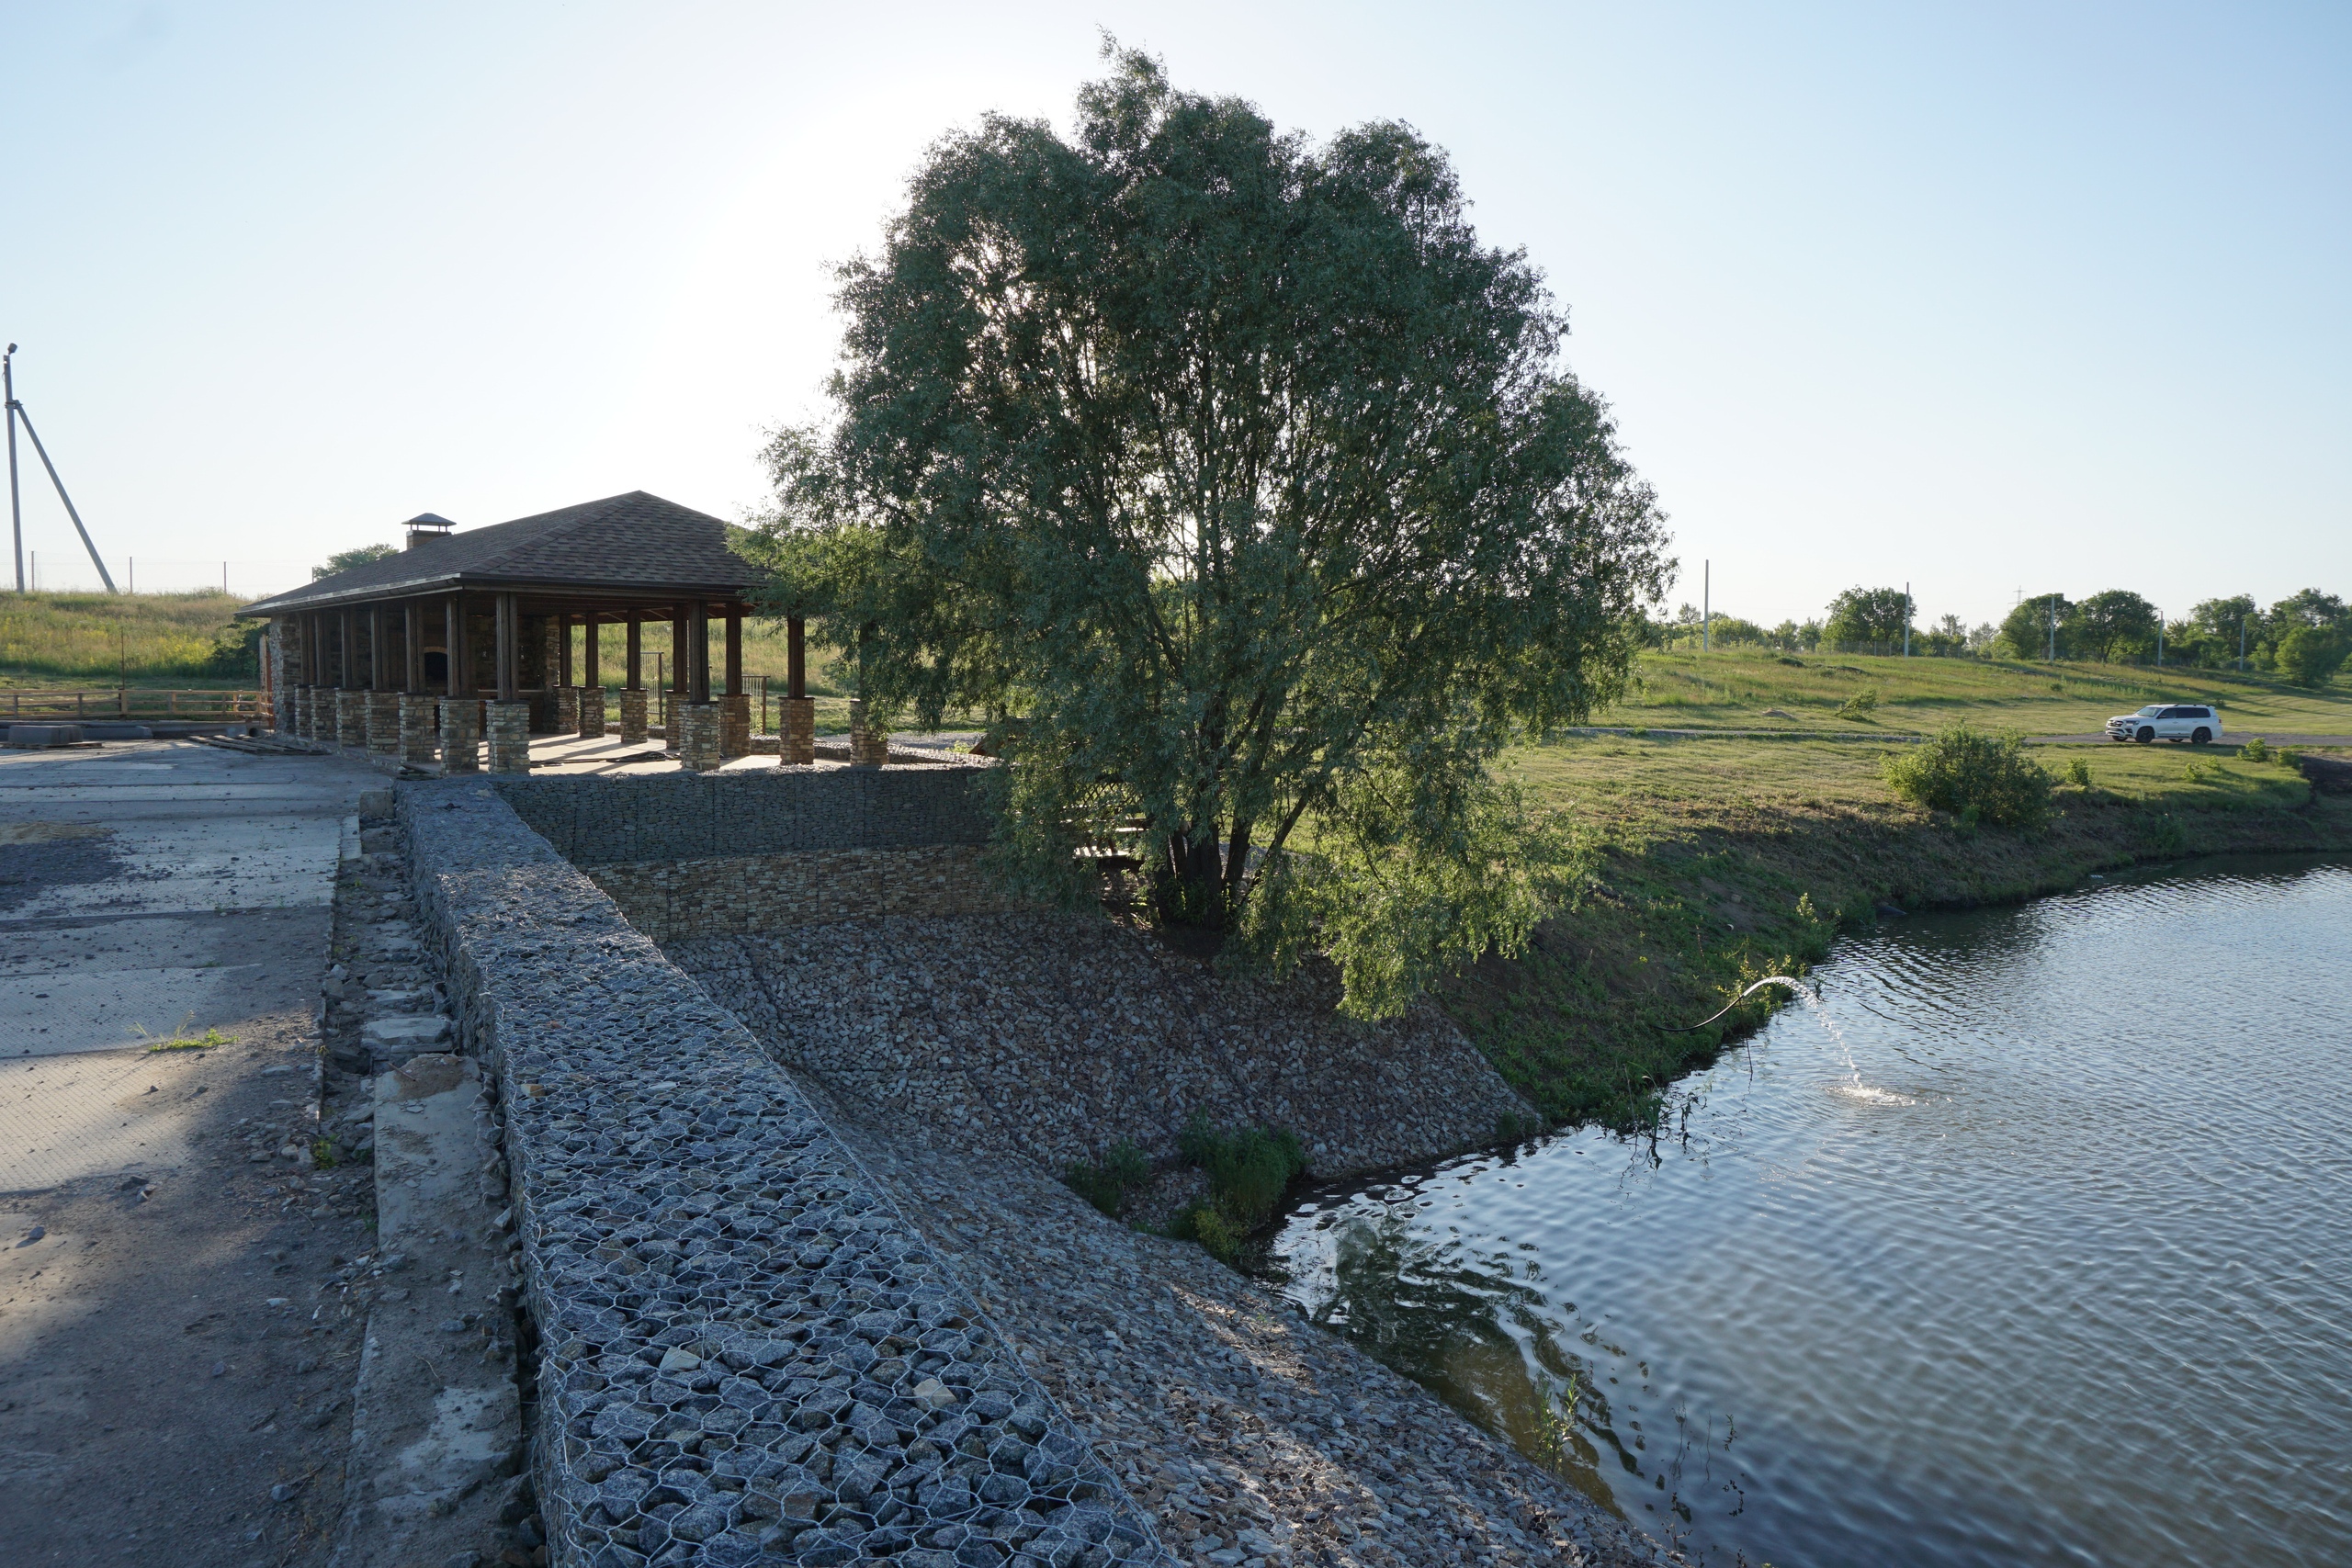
[1249,1436]
[967,1060]
[1055,1036]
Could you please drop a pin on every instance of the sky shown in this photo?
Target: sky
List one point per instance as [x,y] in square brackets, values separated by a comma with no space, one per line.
[1986,298]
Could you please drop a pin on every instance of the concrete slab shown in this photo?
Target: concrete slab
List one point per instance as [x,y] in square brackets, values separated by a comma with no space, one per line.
[111,1009]
[63,1120]
[436,1415]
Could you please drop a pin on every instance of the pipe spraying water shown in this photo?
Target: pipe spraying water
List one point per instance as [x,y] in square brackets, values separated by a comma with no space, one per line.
[1799,986]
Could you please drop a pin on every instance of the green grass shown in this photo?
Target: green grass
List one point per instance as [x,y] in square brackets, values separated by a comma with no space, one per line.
[1725,861]
[204,1041]
[1731,689]
[177,639]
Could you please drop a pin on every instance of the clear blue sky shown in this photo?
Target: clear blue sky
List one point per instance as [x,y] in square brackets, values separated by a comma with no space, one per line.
[1981,297]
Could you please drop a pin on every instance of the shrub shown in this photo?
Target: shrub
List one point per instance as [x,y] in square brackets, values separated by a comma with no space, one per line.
[1963,769]
[2079,773]
[2255,750]
[1249,1171]
[1860,703]
[1108,1183]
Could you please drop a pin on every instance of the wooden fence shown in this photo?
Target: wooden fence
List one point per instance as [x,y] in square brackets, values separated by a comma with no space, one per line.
[134,703]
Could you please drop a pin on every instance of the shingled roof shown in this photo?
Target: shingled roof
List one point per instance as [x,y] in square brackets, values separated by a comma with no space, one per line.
[631,544]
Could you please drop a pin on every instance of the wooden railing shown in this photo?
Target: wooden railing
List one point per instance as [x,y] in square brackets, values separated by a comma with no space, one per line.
[132,703]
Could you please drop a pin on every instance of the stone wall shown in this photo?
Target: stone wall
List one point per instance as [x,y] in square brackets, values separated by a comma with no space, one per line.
[736,895]
[673,816]
[745,1348]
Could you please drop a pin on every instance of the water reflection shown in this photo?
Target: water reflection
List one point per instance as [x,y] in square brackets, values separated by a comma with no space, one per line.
[2027,1248]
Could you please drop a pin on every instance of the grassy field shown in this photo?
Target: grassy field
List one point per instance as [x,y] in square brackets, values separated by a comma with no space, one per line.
[1737,689]
[95,639]
[1725,860]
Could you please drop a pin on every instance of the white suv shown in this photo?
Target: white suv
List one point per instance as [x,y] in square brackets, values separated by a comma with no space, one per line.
[2192,722]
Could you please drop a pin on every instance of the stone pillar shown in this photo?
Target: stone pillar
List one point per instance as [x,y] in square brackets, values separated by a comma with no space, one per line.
[351,718]
[867,748]
[384,723]
[698,742]
[461,735]
[306,724]
[633,718]
[418,711]
[735,725]
[567,709]
[795,731]
[510,737]
[592,712]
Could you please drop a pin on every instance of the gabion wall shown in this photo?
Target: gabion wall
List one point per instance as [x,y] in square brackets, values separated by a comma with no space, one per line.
[746,1353]
[669,817]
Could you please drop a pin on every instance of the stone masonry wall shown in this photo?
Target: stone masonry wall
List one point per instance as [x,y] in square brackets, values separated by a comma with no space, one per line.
[746,1352]
[673,816]
[735,895]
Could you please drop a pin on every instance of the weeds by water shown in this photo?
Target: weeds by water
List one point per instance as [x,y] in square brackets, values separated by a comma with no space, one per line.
[1249,1171]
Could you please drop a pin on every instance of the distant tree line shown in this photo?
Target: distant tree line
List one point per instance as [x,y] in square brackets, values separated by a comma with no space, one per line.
[2306,637]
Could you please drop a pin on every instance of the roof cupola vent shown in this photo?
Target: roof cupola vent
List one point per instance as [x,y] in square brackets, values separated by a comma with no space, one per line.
[425,527]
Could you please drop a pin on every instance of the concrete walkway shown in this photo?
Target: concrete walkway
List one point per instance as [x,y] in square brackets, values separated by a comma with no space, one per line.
[163,1397]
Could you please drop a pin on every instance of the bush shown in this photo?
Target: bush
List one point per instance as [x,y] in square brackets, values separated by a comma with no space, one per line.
[1860,703]
[1249,1172]
[1962,771]
[1108,1183]
[2255,750]
[2079,773]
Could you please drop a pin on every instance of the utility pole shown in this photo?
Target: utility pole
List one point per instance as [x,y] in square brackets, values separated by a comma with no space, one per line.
[2053,629]
[1906,620]
[16,412]
[15,506]
[2241,645]
[2160,638]
[1706,605]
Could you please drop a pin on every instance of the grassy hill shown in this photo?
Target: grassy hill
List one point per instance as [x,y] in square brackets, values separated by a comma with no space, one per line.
[1723,860]
[1733,689]
[83,639]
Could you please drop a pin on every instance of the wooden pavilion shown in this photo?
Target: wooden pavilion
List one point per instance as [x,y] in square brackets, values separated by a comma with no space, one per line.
[468,634]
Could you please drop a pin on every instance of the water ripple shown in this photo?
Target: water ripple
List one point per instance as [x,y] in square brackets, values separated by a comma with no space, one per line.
[2028,1247]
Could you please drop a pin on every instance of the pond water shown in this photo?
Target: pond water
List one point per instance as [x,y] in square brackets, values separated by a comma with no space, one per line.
[2032,1244]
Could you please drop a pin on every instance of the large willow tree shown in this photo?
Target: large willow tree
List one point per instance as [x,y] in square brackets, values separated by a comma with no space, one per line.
[1241,473]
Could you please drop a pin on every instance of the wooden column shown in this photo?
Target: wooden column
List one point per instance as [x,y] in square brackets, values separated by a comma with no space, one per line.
[453,637]
[636,651]
[509,634]
[376,659]
[679,684]
[699,651]
[412,647]
[346,665]
[563,648]
[588,673]
[735,687]
[796,656]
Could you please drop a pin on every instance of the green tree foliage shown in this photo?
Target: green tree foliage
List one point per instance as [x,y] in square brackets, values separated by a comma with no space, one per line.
[1242,473]
[2026,629]
[1863,617]
[2114,626]
[1979,776]
[344,560]
[2310,656]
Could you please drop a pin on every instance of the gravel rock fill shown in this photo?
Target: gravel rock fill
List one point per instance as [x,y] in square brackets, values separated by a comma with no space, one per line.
[747,1352]
[1055,1036]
